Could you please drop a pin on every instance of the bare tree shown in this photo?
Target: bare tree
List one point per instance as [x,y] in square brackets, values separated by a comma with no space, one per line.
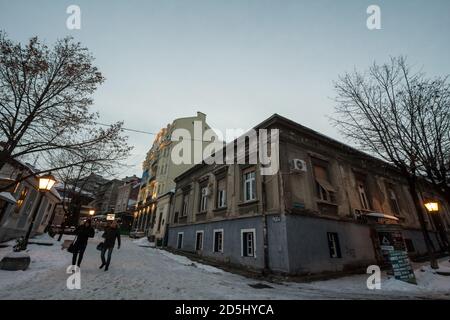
[45,99]
[402,118]
[102,159]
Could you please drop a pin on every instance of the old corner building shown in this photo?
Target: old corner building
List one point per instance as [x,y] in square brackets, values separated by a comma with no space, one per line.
[330,208]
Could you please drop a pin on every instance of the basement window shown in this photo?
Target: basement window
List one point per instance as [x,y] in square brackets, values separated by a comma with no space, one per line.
[180,240]
[248,242]
[333,245]
[218,240]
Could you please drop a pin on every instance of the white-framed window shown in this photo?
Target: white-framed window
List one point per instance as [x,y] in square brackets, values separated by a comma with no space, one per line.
[199,240]
[221,198]
[248,237]
[249,185]
[180,237]
[184,210]
[218,240]
[393,202]
[203,199]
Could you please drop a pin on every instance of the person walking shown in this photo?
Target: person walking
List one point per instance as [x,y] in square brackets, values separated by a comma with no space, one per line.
[83,233]
[110,235]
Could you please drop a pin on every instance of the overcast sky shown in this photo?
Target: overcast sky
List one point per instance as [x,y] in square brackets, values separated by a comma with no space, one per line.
[237,61]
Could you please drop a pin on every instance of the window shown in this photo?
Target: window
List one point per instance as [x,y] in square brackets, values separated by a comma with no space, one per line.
[333,245]
[218,240]
[184,210]
[324,188]
[203,199]
[393,202]
[21,199]
[180,240]
[248,242]
[409,245]
[221,193]
[363,196]
[160,220]
[199,240]
[249,186]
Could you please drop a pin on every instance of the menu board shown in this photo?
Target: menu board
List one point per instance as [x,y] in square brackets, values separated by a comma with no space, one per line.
[401,266]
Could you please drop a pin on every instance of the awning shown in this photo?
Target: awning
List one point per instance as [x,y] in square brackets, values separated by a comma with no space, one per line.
[326,185]
[8,197]
[381,215]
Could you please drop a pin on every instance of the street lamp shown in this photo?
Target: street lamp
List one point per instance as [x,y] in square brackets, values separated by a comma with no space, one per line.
[46,183]
[91,212]
[432,206]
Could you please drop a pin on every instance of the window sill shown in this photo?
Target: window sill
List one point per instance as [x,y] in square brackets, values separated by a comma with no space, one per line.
[320,201]
[201,213]
[248,203]
[220,209]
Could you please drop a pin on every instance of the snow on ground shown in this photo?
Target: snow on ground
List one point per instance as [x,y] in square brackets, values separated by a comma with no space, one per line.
[139,271]
[143,242]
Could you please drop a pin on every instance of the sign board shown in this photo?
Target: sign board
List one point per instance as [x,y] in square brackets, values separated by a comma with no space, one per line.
[276,219]
[401,266]
[110,217]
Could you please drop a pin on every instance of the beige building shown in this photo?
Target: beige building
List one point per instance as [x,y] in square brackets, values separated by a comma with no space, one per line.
[159,172]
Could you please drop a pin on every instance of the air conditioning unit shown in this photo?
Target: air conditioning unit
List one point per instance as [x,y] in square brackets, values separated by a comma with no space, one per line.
[298,165]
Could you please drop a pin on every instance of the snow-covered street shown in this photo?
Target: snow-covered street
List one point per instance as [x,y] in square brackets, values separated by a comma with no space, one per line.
[140,272]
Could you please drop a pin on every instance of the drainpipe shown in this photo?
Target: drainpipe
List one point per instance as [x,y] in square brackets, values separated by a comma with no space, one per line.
[266,269]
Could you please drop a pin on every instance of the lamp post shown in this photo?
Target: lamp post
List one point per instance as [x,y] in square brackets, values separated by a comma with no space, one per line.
[432,206]
[433,209]
[46,182]
[91,212]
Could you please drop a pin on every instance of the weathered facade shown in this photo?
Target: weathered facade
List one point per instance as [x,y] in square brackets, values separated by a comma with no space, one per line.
[329,208]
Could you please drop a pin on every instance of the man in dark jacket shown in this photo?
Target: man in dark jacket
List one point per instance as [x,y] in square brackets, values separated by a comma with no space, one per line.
[83,232]
[111,234]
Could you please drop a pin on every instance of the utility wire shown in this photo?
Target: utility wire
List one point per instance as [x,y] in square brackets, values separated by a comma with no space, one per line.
[147,132]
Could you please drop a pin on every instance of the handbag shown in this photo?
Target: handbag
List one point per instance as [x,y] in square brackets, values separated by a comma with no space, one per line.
[72,248]
[100,246]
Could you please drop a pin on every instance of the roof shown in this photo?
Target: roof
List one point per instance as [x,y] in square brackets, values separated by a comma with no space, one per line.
[278,119]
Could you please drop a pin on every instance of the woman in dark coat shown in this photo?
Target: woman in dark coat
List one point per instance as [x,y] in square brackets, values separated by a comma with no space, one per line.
[83,232]
[111,234]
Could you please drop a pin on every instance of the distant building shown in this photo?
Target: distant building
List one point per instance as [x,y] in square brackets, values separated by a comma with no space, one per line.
[159,172]
[127,195]
[106,197]
[18,203]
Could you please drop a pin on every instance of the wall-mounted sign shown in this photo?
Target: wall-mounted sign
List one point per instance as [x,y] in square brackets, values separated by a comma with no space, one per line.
[276,219]
[110,217]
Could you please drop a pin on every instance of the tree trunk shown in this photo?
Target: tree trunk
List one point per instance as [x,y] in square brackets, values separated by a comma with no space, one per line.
[4,156]
[419,210]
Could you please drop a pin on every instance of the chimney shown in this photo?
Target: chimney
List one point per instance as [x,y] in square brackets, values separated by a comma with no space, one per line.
[201,116]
